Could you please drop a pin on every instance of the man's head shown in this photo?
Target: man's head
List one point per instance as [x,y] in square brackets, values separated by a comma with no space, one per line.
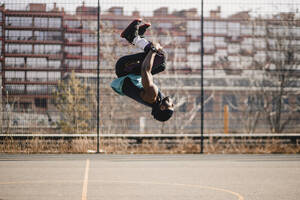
[164,110]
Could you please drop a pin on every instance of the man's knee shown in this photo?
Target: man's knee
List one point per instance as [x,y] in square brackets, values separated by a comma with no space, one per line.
[120,66]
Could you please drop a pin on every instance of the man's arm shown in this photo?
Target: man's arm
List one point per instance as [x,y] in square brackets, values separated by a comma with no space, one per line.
[150,89]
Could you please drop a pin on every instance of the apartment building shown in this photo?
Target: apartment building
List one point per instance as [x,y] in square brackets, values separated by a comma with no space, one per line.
[38,47]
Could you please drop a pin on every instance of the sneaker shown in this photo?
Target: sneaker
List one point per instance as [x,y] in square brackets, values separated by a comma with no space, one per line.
[131,31]
[143,28]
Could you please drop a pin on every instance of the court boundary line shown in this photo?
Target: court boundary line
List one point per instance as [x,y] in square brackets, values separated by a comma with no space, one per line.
[239,196]
[85,180]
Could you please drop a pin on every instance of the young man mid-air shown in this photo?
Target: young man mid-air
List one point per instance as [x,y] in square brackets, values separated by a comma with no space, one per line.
[135,72]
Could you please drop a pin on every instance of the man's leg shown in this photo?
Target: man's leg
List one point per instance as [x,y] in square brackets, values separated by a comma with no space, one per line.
[131,64]
[160,59]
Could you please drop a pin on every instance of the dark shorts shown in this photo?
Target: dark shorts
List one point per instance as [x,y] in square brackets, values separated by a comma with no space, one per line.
[132,64]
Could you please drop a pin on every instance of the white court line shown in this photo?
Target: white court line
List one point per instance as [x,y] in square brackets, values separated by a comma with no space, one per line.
[85,180]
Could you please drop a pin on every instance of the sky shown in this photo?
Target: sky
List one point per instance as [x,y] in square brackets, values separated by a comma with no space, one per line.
[228,7]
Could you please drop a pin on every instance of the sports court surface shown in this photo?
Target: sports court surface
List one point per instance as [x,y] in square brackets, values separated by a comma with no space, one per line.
[149,177]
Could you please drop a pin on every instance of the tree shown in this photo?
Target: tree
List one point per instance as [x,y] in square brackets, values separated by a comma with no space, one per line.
[76,102]
[280,70]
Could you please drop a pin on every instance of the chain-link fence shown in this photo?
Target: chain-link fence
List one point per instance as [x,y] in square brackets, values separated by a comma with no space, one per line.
[49,62]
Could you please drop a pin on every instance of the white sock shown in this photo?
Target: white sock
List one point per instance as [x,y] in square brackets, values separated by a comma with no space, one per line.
[141,43]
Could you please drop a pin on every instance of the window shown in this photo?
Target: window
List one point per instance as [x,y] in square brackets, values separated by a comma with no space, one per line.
[179,53]
[296,31]
[18,48]
[178,65]
[26,21]
[74,50]
[118,11]
[41,22]
[193,61]
[255,103]
[106,49]
[106,39]
[26,48]
[73,63]
[48,35]
[13,21]
[37,89]
[54,64]
[208,60]
[220,42]
[54,76]
[73,37]
[233,48]
[193,25]
[284,101]
[164,25]
[194,47]
[73,23]
[260,30]
[209,27]
[53,35]
[246,29]
[37,76]
[260,56]
[90,25]
[90,64]
[183,107]
[272,43]
[120,24]
[52,49]
[221,53]
[209,43]
[14,62]
[208,104]
[40,102]
[230,100]
[19,21]
[260,43]
[18,35]
[179,39]
[15,89]
[276,56]
[36,62]
[39,49]
[54,22]
[298,103]
[246,61]
[14,76]
[165,40]
[89,38]
[193,29]
[234,29]
[89,51]
[221,28]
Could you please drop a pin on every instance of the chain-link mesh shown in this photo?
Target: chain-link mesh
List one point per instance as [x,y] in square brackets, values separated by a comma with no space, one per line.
[251,66]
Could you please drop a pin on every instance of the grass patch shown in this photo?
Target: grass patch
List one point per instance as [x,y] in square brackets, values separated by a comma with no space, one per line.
[148,146]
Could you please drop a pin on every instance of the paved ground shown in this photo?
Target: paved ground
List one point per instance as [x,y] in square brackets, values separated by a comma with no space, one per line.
[150,177]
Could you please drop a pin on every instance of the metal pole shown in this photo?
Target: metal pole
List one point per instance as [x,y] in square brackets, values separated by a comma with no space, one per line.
[98,78]
[202,89]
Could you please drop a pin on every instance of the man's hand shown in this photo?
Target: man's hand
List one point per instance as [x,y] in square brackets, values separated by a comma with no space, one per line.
[157,46]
